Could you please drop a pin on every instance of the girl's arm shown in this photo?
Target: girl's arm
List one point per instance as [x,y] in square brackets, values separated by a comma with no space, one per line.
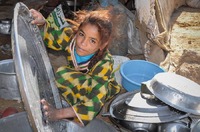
[54,36]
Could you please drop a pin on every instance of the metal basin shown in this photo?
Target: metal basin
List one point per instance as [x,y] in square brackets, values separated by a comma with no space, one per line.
[33,69]
[176,91]
[8,83]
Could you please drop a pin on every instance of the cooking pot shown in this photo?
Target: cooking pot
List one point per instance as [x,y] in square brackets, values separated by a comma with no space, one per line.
[176,91]
[131,106]
[134,112]
[139,127]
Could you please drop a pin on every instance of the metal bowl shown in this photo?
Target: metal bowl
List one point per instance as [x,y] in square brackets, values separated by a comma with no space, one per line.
[176,91]
[139,127]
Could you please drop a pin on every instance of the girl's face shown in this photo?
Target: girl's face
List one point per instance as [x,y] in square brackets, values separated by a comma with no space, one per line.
[87,40]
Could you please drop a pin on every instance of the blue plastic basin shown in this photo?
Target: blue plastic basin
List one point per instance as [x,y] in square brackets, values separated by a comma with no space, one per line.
[134,72]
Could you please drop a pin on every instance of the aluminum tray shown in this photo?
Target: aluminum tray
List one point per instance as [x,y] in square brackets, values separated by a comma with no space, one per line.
[33,69]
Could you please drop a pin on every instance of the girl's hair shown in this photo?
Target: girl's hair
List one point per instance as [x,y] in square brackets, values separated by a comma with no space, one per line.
[100,18]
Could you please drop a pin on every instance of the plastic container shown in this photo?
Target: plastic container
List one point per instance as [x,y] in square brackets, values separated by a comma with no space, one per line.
[134,72]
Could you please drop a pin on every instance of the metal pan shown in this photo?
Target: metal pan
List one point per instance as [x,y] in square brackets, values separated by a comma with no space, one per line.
[33,69]
[177,91]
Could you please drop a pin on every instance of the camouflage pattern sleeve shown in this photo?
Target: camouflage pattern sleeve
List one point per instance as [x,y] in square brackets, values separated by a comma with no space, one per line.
[57,33]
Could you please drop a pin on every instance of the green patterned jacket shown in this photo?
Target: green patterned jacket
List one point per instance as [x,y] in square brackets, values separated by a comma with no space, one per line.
[85,92]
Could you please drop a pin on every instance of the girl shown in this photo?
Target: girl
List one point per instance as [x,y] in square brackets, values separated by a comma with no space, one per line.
[87,81]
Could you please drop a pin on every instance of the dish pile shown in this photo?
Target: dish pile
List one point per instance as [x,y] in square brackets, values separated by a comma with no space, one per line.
[167,102]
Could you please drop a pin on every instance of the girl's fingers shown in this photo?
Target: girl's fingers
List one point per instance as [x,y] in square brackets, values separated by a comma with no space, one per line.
[44,102]
[38,22]
[46,113]
[38,17]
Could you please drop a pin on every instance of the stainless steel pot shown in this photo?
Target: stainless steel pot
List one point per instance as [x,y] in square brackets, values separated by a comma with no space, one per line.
[142,110]
[139,127]
[143,114]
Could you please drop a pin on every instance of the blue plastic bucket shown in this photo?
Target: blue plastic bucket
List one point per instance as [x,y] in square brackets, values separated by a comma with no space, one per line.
[134,72]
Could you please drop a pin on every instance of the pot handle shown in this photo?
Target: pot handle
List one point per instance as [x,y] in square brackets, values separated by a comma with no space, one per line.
[145,93]
[105,110]
[106,114]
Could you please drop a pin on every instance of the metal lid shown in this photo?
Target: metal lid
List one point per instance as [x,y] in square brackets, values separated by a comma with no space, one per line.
[131,106]
[177,91]
[34,72]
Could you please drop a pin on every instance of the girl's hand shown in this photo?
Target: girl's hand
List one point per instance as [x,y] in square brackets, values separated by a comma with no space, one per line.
[49,111]
[54,114]
[38,18]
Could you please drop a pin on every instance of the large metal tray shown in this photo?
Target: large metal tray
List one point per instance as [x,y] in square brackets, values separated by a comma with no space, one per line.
[33,70]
